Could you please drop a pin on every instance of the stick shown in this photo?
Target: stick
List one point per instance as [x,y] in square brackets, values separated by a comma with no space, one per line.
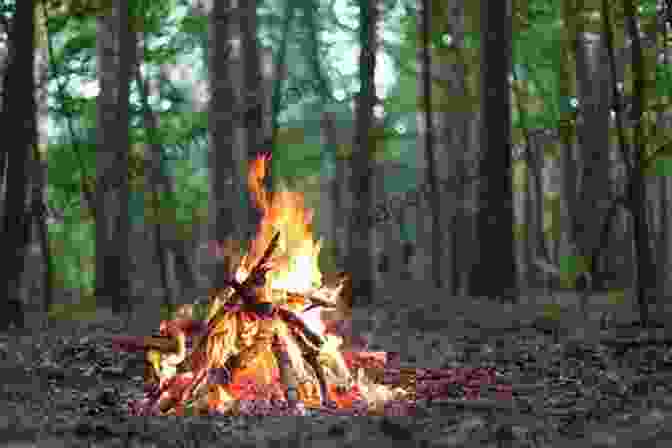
[243,290]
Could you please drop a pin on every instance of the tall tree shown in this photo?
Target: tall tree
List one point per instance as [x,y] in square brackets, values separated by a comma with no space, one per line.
[117,47]
[252,99]
[225,177]
[496,261]
[593,136]
[568,198]
[19,114]
[359,253]
[645,269]
[431,177]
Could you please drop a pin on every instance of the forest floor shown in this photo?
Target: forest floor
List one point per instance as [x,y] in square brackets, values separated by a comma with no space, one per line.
[572,385]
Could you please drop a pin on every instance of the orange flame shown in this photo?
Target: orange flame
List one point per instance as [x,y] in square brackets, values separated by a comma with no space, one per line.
[295,270]
[296,260]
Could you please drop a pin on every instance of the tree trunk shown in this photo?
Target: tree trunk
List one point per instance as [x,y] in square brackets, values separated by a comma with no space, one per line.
[19,115]
[226,179]
[252,100]
[38,213]
[127,58]
[593,132]
[430,159]
[359,253]
[460,230]
[645,270]
[116,55]
[278,82]
[663,242]
[569,170]
[330,139]
[158,182]
[495,203]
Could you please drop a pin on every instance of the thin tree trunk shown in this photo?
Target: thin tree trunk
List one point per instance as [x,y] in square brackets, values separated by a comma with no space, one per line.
[127,57]
[569,178]
[329,129]
[645,272]
[280,74]
[155,180]
[105,153]
[359,254]
[435,198]
[252,103]
[534,209]
[39,215]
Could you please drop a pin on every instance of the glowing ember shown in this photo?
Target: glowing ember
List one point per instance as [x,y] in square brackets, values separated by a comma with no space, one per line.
[266,339]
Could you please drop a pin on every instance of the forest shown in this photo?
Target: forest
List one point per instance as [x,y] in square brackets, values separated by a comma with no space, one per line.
[453,173]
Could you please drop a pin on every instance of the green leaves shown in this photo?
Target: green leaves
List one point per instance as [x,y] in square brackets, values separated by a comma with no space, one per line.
[570,268]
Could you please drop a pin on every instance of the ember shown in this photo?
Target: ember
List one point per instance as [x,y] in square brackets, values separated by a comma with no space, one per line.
[266,346]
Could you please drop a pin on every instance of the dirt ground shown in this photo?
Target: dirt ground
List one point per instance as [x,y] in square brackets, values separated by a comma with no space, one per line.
[64,386]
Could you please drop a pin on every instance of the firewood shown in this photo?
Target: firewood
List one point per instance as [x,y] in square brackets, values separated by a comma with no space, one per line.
[164,344]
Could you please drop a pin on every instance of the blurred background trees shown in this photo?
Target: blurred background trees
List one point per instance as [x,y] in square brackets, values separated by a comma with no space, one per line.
[146,114]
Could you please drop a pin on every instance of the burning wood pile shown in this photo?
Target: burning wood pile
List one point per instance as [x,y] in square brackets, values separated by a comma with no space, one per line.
[274,340]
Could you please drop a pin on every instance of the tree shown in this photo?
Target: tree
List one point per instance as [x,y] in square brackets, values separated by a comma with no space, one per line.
[225,177]
[430,160]
[359,253]
[496,261]
[252,99]
[117,47]
[19,114]
[646,273]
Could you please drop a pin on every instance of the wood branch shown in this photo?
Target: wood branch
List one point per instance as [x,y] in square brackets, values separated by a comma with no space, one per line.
[164,344]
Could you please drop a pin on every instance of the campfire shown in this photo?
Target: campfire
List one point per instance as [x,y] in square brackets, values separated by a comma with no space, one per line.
[275,340]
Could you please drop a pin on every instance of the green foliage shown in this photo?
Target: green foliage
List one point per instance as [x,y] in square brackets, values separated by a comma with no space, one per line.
[537,47]
[570,268]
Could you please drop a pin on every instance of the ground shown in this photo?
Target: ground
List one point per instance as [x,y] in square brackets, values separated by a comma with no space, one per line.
[575,385]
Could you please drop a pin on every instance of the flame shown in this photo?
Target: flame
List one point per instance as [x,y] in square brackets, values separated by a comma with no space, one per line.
[295,270]
[296,259]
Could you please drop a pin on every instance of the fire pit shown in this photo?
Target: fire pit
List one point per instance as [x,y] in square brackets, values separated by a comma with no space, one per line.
[275,339]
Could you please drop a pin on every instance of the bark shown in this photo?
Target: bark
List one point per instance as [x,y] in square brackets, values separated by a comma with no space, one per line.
[534,212]
[225,177]
[663,241]
[495,214]
[252,101]
[460,228]
[434,197]
[280,74]
[324,90]
[329,130]
[593,133]
[39,215]
[127,58]
[19,114]
[155,180]
[116,55]
[645,270]
[6,61]
[359,253]
[569,177]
